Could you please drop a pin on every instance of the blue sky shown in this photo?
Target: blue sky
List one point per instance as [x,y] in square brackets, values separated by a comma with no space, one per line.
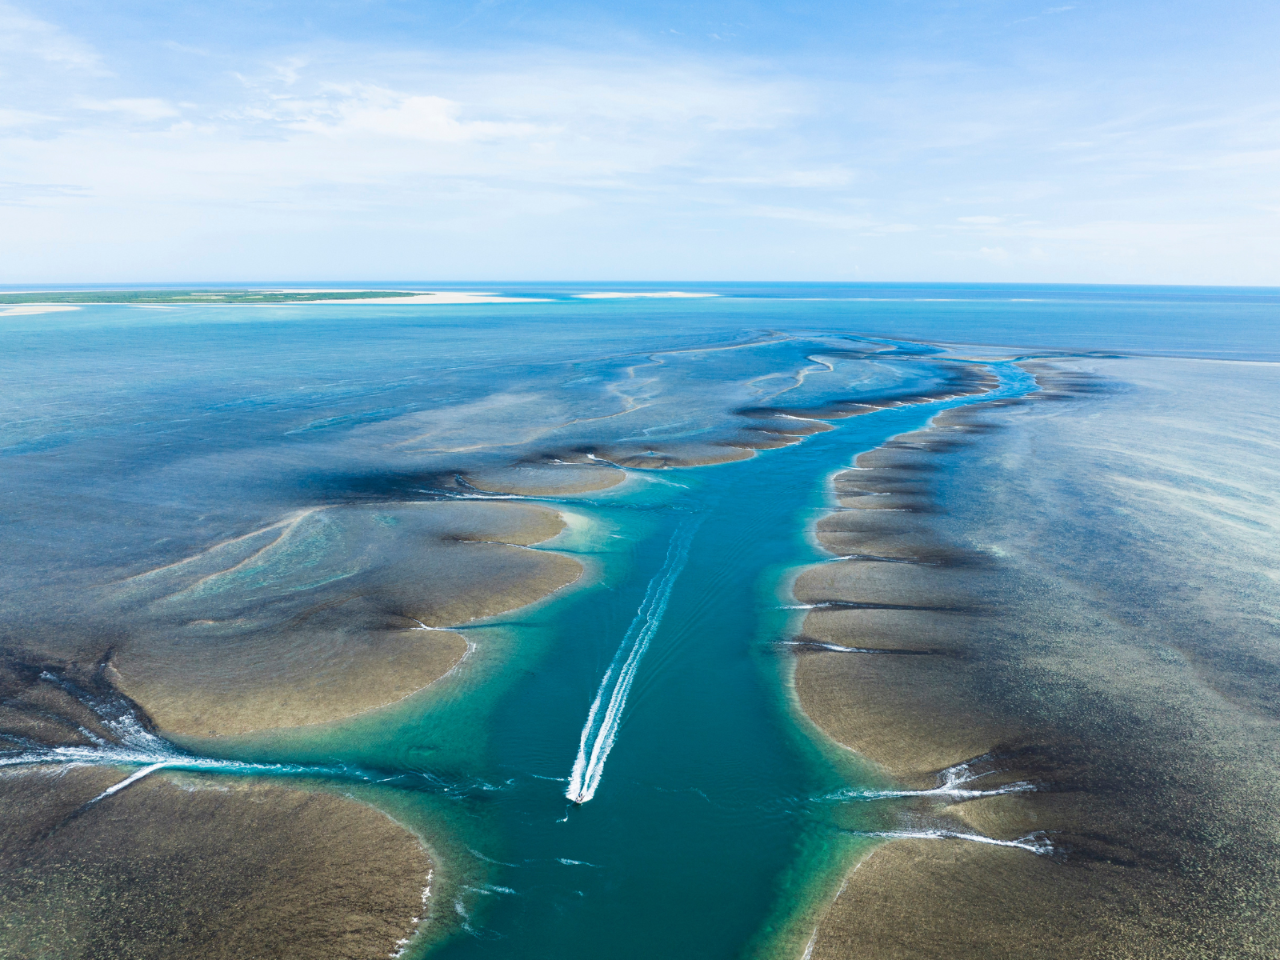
[384,139]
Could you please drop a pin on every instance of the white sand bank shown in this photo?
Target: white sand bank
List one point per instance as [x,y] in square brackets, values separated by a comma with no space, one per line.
[25,309]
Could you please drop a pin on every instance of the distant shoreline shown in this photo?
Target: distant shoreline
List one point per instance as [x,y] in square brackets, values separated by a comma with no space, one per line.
[70,299]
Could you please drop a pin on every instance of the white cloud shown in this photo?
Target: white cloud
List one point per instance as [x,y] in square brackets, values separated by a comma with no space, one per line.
[24,36]
[510,141]
[799,179]
[20,118]
[15,193]
[141,108]
[366,161]
[364,110]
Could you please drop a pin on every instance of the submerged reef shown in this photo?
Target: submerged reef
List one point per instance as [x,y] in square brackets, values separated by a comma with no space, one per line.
[1083,588]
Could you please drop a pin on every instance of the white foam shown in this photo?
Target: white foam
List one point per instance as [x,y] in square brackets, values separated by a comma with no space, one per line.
[600,731]
[423,626]
[135,745]
[833,647]
[129,780]
[1032,842]
[952,787]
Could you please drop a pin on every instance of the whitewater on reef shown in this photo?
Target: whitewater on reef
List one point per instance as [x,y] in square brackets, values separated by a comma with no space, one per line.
[1037,843]
[601,730]
[131,744]
[952,786]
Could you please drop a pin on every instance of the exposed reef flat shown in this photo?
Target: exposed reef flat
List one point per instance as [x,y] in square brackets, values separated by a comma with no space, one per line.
[776,424]
[1074,629]
[551,478]
[325,614]
[332,613]
[182,865]
[960,379]
[123,861]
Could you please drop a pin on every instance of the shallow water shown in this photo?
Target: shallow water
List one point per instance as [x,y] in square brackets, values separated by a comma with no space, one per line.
[149,434]
[712,792]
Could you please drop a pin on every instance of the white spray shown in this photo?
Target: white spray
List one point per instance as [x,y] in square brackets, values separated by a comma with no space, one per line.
[600,731]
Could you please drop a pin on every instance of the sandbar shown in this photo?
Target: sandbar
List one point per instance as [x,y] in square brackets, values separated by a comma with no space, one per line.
[185,865]
[27,309]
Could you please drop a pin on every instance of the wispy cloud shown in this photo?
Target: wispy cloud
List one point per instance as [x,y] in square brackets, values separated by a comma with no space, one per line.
[21,118]
[15,193]
[140,108]
[362,110]
[23,36]
[351,158]
[833,177]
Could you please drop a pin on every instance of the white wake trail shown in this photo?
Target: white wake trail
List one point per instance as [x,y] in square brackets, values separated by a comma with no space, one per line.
[600,731]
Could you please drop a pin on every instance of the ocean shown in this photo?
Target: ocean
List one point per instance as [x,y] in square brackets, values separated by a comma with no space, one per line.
[623,768]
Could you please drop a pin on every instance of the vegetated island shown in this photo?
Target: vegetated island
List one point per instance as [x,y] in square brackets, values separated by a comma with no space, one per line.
[249,296]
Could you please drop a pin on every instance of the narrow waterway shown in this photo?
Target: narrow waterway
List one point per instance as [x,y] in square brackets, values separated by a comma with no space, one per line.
[711,815]
[707,815]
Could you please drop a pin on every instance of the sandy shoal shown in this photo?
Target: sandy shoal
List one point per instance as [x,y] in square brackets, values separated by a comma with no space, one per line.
[28,309]
[1062,620]
[180,865]
[547,479]
[216,656]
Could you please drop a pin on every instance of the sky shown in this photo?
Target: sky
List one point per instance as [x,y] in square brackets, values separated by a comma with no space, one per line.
[889,140]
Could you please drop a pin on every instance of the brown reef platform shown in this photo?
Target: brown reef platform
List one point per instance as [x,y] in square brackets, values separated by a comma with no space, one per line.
[1062,602]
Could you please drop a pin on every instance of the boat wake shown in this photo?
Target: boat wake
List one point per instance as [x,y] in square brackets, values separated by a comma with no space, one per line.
[601,728]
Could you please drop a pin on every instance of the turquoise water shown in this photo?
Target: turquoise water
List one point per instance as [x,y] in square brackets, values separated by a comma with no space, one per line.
[714,815]
[715,823]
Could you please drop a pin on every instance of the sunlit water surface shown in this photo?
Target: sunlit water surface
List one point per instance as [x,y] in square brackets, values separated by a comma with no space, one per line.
[656,693]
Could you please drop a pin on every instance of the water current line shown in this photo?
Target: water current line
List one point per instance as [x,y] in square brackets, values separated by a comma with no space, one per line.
[1036,843]
[600,731]
[953,786]
[133,745]
[141,748]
